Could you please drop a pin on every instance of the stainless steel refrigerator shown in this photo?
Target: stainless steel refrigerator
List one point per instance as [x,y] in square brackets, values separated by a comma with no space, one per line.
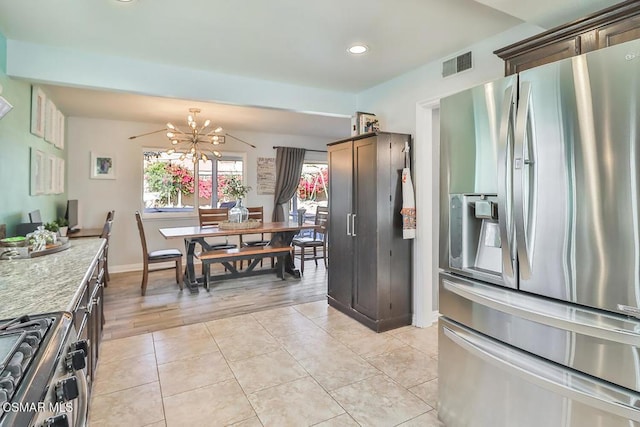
[540,246]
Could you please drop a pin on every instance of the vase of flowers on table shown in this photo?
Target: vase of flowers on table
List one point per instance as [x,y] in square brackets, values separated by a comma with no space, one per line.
[234,189]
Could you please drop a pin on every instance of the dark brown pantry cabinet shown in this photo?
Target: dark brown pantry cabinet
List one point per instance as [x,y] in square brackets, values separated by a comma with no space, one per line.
[369,262]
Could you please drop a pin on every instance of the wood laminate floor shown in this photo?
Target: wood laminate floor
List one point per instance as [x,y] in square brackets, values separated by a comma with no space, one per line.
[127,313]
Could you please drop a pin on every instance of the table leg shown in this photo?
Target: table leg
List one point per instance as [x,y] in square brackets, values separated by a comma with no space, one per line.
[285,238]
[190,279]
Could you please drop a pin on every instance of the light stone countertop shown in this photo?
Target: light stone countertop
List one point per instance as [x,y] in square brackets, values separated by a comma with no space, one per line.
[48,283]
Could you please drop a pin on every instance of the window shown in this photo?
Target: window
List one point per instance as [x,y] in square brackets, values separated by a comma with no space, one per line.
[312,190]
[172,185]
[222,169]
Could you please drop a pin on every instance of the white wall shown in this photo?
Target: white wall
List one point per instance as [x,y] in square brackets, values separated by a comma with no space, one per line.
[124,194]
[394,101]
[406,104]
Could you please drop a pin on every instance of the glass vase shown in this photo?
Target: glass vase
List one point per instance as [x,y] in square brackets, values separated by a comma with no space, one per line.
[238,213]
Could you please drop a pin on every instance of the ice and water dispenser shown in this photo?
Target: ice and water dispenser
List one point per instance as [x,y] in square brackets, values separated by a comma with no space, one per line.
[474,241]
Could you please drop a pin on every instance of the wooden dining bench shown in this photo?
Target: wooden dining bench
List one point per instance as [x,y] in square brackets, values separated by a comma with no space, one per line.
[227,257]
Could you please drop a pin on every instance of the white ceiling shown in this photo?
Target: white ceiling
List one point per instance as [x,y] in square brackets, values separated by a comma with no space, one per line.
[298,42]
[549,13]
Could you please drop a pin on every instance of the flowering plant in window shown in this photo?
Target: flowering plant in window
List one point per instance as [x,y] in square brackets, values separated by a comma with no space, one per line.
[313,186]
[182,178]
[233,188]
[169,180]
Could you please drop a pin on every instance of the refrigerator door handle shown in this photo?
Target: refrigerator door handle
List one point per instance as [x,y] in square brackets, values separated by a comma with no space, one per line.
[348,224]
[572,385]
[505,184]
[548,313]
[353,225]
[524,181]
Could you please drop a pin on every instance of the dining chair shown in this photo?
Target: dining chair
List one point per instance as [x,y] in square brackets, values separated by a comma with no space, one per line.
[256,213]
[214,216]
[153,257]
[318,239]
[106,234]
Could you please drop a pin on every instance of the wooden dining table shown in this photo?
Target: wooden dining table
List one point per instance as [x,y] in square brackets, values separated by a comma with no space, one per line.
[282,233]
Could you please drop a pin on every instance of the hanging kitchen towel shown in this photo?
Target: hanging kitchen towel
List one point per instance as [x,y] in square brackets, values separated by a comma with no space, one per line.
[408,206]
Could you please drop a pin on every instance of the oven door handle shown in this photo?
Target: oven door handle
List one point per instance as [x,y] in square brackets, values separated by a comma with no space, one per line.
[83,399]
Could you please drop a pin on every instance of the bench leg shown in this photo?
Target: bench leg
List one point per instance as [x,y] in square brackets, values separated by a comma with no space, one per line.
[207,275]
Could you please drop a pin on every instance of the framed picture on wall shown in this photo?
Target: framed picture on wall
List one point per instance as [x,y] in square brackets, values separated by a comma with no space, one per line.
[51,122]
[38,105]
[59,187]
[51,174]
[60,130]
[37,172]
[103,166]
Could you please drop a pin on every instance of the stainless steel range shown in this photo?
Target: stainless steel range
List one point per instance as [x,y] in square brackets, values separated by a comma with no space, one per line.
[42,376]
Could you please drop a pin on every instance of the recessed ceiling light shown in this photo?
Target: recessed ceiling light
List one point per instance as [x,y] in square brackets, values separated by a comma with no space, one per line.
[358,49]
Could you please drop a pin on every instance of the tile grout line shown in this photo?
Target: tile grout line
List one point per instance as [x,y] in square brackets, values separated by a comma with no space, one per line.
[164,411]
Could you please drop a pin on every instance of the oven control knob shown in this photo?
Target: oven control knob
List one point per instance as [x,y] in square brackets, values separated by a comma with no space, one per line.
[58,421]
[81,345]
[76,360]
[67,389]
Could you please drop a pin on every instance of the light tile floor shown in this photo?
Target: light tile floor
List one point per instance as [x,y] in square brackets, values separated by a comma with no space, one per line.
[305,365]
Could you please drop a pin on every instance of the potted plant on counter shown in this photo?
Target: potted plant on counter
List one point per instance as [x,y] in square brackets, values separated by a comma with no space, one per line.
[63,227]
[51,226]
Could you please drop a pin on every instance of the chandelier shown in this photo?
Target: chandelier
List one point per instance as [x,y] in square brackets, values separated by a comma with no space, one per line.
[196,140]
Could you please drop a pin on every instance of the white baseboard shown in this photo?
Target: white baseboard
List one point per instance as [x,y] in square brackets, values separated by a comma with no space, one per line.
[432,319]
[434,316]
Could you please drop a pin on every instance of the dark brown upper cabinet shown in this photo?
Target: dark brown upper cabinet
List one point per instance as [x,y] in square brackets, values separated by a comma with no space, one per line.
[608,27]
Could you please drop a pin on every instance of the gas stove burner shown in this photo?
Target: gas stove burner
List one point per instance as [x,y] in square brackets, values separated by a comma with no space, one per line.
[42,378]
[19,342]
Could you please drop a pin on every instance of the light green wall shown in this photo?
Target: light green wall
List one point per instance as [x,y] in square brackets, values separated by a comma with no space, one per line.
[16,142]
[3,53]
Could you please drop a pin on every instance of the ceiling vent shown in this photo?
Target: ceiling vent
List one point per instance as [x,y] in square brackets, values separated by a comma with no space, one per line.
[457,64]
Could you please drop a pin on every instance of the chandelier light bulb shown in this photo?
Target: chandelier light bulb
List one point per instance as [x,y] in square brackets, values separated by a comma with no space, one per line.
[183,156]
[189,118]
[218,129]
[171,151]
[217,154]
[174,141]
[204,157]
[193,150]
[170,134]
[170,126]
[207,123]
